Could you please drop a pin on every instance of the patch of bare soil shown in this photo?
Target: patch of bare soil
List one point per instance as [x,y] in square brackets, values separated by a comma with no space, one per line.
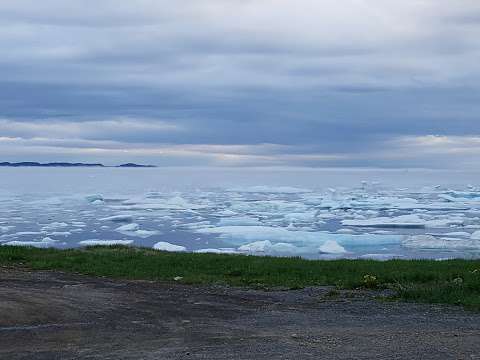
[53,315]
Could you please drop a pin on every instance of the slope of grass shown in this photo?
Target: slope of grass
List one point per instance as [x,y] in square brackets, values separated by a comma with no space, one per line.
[447,282]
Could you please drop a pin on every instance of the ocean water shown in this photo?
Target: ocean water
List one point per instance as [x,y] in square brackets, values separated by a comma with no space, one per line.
[313,213]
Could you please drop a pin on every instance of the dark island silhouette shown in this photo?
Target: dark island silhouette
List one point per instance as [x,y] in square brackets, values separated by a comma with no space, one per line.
[68,164]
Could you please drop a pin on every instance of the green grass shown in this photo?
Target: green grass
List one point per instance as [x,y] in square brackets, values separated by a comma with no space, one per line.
[444,282]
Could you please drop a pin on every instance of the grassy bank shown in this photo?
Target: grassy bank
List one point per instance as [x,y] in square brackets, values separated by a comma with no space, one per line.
[448,282]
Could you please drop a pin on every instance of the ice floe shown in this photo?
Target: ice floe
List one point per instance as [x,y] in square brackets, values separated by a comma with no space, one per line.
[305,238]
[435,242]
[270,190]
[54,226]
[166,246]
[95,199]
[240,220]
[4,229]
[95,242]
[405,221]
[133,229]
[217,251]
[267,247]
[322,222]
[332,247]
[44,243]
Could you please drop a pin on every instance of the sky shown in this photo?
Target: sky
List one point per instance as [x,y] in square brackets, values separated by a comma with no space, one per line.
[310,83]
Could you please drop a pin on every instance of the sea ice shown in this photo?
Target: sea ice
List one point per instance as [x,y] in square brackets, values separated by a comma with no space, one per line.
[4,229]
[118,218]
[165,246]
[381,257]
[217,251]
[433,242]
[475,235]
[300,217]
[94,198]
[345,231]
[257,246]
[332,247]
[155,203]
[54,226]
[95,242]
[59,233]
[44,243]
[405,221]
[267,247]
[245,234]
[145,233]
[269,190]
[239,220]
[128,227]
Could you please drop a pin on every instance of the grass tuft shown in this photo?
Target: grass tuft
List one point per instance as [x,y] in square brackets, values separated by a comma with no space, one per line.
[455,282]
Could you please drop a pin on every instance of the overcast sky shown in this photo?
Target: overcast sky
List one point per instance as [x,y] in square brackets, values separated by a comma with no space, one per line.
[364,83]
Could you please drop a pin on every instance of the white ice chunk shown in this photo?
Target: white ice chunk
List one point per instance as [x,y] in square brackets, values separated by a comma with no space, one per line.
[166,246]
[332,247]
[257,246]
[475,235]
[94,198]
[155,203]
[44,243]
[433,242]
[133,229]
[405,221]
[217,251]
[59,233]
[145,233]
[381,257]
[277,234]
[300,216]
[345,231]
[4,229]
[94,242]
[128,227]
[270,190]
[239,220]
[54,226]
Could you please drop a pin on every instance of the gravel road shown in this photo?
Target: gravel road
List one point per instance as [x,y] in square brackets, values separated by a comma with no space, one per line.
[53,315]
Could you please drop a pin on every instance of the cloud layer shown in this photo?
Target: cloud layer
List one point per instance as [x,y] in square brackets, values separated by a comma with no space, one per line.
[230,82]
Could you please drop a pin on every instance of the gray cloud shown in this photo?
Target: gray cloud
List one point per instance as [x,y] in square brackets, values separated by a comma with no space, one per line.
[322,83]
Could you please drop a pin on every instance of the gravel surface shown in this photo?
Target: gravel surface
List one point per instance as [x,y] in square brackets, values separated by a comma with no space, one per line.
[53,315]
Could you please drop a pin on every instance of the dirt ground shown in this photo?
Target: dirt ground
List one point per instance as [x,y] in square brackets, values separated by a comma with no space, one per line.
[53,315]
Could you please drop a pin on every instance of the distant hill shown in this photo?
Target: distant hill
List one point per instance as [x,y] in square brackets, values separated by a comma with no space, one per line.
[135,165]
[67,164]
